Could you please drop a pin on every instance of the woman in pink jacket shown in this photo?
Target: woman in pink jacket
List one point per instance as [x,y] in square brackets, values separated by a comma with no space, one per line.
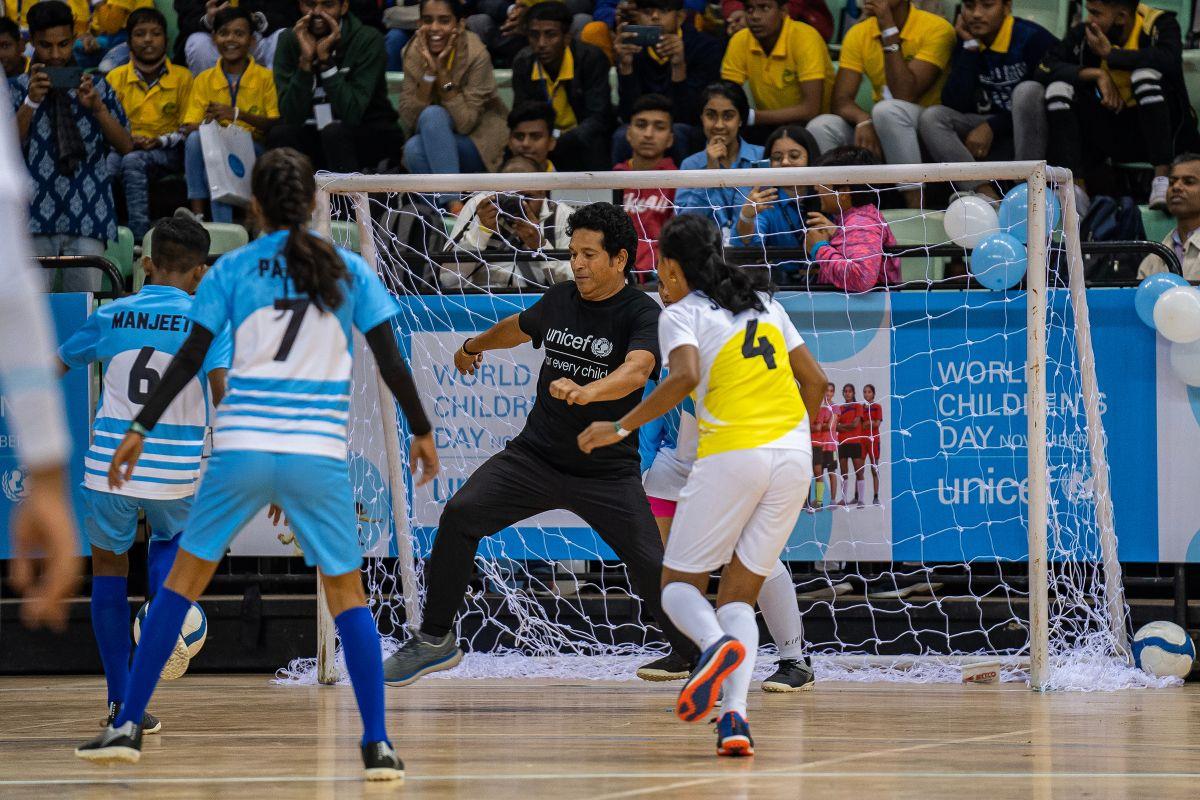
[847,238]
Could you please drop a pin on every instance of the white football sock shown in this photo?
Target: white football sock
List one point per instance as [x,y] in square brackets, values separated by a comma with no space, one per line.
[777,600]
[737,619]
[692,613]
[860,487]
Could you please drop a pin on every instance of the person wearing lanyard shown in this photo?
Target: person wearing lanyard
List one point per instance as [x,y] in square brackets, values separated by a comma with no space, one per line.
[235,92]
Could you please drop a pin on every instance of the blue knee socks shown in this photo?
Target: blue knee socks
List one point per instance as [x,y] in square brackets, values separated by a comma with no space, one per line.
[160,632]
[364,662]
[110,621]
[159,560]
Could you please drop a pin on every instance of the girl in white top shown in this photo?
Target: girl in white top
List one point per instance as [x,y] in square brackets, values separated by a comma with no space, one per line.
[736,349]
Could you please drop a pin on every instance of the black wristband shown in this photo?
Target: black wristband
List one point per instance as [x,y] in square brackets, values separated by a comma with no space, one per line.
[466,351]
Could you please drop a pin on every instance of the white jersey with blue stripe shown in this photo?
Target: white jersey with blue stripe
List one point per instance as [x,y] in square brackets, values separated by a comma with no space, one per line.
[135,338]
[289,387]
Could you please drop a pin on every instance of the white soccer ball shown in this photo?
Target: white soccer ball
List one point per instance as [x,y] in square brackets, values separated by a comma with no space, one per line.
[193,633]
[1164,650]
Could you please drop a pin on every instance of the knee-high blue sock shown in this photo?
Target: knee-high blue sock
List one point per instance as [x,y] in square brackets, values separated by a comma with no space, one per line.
[364,662]
[159,559]
[160,632]
[110,622]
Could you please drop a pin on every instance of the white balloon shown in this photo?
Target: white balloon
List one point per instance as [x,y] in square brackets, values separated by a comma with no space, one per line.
[1177,314]
[969,219]
[1185,362]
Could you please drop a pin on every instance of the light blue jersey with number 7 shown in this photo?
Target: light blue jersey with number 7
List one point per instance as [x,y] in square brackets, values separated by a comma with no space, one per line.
[289,387]
[135,339]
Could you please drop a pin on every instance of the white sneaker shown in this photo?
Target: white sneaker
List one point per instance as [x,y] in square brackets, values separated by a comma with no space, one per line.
[1158,193]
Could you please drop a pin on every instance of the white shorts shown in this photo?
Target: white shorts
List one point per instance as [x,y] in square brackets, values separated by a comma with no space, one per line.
[667,476]
[741,501]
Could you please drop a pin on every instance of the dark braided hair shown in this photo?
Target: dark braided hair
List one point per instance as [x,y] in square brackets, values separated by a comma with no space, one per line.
[284,186]
[695,242]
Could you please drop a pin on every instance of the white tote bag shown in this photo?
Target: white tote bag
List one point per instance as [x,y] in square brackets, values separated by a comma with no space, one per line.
[228,160]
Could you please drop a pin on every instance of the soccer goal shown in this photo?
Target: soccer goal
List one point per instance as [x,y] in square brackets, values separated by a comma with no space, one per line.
[968,522]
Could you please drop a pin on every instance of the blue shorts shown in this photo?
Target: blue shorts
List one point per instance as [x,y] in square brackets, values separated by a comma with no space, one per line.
[110,520]
[314,492]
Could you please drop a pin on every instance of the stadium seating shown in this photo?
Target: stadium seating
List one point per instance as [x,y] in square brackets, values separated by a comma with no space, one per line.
[345,234]
[1156,223]
[167,7]
[918,228]
[120,252]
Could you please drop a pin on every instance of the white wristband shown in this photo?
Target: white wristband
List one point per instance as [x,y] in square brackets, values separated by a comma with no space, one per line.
[31,104]
[621,432]
[892,31]
[429,78]
[750,119]
[864,122]
[971,44]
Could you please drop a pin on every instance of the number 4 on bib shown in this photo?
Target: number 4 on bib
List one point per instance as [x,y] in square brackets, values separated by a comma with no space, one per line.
[763,347]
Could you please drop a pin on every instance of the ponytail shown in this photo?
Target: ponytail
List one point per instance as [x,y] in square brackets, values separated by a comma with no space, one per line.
[695,242]
[284,186]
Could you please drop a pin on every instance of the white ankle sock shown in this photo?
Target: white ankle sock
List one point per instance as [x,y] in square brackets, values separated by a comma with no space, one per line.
[777,600]
[692,613]
[737,620]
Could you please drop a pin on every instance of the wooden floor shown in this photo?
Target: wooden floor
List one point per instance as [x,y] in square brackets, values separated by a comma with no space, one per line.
[241,737]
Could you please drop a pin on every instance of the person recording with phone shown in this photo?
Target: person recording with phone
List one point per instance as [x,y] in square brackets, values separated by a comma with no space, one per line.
[776,216]
[662,53]
[511,230]
[68,123]
[333,101]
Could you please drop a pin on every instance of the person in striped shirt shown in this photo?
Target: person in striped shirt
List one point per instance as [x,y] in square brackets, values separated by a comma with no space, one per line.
[292,301]
[134,339]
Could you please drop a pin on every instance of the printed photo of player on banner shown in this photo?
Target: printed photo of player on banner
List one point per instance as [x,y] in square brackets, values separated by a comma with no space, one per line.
[848,511]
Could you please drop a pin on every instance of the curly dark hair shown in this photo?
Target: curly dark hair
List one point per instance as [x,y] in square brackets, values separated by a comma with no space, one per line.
[613,225]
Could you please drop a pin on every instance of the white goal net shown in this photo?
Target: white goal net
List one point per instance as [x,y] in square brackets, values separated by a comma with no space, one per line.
[972,524]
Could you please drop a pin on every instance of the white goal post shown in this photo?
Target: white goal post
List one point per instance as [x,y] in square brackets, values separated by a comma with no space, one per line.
[353,192]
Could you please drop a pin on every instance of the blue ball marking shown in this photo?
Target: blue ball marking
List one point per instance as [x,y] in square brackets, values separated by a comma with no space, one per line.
[200,632]
[1184,649]
[236,166]
[1152,288]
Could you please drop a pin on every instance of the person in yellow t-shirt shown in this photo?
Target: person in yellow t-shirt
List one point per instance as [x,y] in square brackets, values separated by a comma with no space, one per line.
[903,51]
[786,64]
[237,91]
[154,93]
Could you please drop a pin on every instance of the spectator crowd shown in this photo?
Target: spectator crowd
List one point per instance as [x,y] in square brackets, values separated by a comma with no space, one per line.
[108,112]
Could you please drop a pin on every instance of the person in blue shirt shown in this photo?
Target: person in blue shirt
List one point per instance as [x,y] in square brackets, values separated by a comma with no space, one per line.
[775,216]
[992,108]
[292,301]
[724,112]
[134,339]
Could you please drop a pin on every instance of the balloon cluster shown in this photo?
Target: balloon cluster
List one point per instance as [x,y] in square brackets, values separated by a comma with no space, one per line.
[996,239]
[1166,302]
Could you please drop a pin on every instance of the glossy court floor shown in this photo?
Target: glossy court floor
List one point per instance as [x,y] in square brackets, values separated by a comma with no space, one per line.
[242,737]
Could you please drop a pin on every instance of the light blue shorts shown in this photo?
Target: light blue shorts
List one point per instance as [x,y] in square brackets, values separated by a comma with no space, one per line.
[110,520]
[314,492]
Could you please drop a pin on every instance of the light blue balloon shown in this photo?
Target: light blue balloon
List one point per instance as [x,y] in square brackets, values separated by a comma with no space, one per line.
[999,262]
[1014,212]
[1152,288]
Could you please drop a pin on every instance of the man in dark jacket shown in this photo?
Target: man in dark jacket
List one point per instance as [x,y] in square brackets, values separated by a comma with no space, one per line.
[678,67]
[333,102]
[991,109]
[1119,77]
[573,78]
[194,46]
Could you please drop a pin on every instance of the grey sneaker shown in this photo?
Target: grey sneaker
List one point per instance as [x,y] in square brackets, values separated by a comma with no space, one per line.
[670,667]
[114,744]
[150,723]
[419,656]
[791,675]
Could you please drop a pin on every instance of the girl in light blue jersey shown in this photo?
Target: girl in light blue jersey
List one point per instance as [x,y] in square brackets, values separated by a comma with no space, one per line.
[292,301]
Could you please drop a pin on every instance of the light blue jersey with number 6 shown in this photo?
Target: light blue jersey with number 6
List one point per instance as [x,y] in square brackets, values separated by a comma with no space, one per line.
[289,387]
[135,338]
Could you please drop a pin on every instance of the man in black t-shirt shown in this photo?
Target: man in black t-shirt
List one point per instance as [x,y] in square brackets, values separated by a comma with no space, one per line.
[600,335]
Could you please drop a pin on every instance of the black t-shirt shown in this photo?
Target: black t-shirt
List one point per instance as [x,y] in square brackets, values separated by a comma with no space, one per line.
[585,341]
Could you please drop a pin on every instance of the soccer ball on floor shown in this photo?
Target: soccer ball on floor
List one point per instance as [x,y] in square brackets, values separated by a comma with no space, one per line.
[1164,649]
[193,632]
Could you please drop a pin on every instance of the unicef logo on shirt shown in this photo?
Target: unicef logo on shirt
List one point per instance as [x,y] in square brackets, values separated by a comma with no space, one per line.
[236,166]
[601,347]
[12,482]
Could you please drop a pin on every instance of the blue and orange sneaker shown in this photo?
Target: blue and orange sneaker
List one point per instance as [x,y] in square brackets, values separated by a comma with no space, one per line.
[733,736]
[699,694]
